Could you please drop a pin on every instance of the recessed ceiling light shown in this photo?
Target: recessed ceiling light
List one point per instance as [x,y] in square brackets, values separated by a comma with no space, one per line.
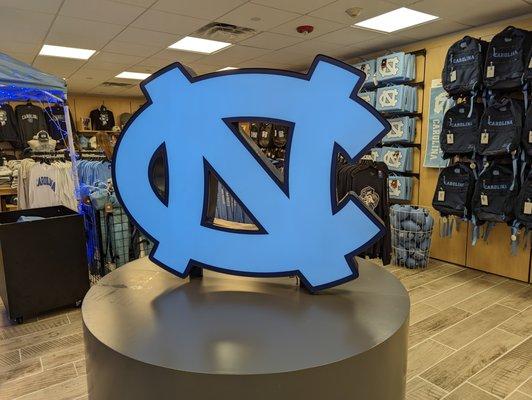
[395,20]
[198,45]
[66,52]
[140,76]
[227,68]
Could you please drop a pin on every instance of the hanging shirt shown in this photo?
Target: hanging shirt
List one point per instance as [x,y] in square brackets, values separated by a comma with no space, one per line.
[102,119]
[8,126]
[30,119]
[55,120]
[42,186]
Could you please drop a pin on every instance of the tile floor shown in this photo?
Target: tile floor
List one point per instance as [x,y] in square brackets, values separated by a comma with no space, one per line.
[470,339]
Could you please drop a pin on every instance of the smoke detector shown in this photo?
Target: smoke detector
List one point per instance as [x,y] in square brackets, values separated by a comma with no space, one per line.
[353,12]
[305,29]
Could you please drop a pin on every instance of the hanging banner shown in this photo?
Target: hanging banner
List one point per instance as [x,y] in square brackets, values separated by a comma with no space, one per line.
[437,107]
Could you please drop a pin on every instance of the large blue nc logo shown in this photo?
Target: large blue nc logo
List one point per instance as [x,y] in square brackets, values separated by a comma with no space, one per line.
[303,229]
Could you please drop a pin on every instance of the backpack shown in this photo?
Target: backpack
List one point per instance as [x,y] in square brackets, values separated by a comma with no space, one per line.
[523,204]
[500,127]
[280,135]
[397,67]
[265,135]
[454,191]
[527,133]
[463,68]
[368,67]
[254,132]
[459,134]
[402,130]
[507,59]
[495,192]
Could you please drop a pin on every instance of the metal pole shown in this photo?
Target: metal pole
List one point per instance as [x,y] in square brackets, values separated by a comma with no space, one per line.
[73,155]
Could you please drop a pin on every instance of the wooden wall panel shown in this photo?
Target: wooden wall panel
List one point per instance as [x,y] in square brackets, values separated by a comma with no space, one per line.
[493,256]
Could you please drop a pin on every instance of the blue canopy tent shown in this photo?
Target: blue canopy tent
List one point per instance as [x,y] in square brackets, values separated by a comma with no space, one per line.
[21,82]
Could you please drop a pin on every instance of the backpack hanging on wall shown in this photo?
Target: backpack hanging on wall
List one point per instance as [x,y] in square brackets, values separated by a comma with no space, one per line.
[368,67]
[523,204]
[527,133]
[500,127]
[400,187]
[464,66]
[280,135]
[508,59]
[368,97]
[265,135]
[396,67]
[459,134]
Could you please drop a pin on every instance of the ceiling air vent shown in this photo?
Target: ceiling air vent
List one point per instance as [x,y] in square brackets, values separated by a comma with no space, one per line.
[224,32]
[116,84]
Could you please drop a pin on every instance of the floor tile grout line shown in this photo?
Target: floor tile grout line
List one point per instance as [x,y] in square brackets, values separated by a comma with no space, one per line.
[30,333]
[484,390]
[518,387]
[47,387]
[502,355]
[434,280]
[445,390]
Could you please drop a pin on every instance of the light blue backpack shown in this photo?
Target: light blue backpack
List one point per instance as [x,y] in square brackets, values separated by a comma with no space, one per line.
[401,99]
[368,97]
[396,68]
[400,187]
[398,159]
[368,67]
[403,130]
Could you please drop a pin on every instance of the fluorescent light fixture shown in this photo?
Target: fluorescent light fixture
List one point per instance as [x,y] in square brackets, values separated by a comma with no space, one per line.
[395,20]
[198,45]
[140,76]
[66,52]
[227,68]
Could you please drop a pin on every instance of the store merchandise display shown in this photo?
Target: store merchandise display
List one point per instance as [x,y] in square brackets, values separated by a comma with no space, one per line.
[368,97]
[102,119]
[487,134]
[403,130]
[411,235]
[30,119]
[8,126]
[400,187]
[369,181]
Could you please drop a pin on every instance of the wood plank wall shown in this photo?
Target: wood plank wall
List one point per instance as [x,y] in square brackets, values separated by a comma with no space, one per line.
[493,256]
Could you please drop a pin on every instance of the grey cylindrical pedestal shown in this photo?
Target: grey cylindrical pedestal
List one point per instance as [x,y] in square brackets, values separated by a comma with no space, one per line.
[150,335]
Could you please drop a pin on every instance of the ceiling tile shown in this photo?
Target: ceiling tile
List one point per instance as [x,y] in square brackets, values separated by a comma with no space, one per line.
[432,29]
[80,87]
[23,25]
[88,75]
[140,3]
[44,6]
[170,23]
[24,57]
[113,67]
[257,17]
[297,6]
[263,64]
[321,27]
[349,36]
[120,59]
[133,49]
[285,57]
[314,47]
[147,37]
[233,55]
[382,43]
[101,11]
[369,8]
[133,92]
[170,55]
[76,32]
[7,46]
[201,69]
[207,9]
[271,41]
[61,67]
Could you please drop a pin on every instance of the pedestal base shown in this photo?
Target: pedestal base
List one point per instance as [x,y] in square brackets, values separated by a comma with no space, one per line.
[150,335]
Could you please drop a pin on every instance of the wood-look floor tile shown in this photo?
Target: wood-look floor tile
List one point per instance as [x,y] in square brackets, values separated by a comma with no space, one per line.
[420,311]
[490,296]
[50,346]
[420,293]
[453,280]
[35,338]
[32,383]
[424,356]
[507,373]
[66,356]
[469,392]
[81,367]
[20,370]
[474,326]
[402,272]
[9,358]
[466,362]
[494,278]
[32,327]
[519,300]
[434,324]
[518,396]
[74,315]
[526,387]
[521,324]
[419,389]
[459,293]
[428,275]
[68,390]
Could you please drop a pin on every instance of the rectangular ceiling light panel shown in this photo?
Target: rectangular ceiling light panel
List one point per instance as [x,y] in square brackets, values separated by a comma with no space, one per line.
[140,76]
[198,45]
[396,20]
[66,52]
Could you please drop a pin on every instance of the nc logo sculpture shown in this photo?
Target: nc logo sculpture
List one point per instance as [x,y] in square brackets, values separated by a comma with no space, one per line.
[302,228]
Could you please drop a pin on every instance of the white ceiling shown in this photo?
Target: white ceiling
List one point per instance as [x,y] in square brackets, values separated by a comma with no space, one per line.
[134,35]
